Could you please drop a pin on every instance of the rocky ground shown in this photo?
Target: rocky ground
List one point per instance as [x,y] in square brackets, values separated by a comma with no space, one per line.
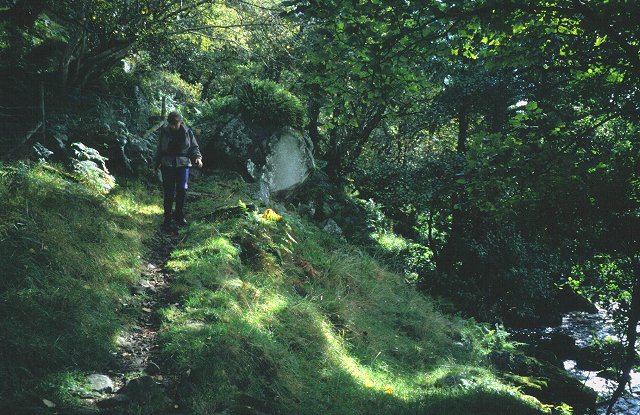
[140,382]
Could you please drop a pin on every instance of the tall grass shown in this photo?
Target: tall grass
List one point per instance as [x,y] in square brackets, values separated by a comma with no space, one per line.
[68,257]
[280,317]
[272,316]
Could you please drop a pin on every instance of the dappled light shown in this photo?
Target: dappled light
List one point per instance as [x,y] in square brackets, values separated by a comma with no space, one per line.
[290,332]
[338,207]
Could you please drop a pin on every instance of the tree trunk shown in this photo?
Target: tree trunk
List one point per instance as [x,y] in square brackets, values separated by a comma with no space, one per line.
[463,128]
[334,157]
[498,111]
[364,132]
[430,231]
[451,252]
[314,117]
[632,336]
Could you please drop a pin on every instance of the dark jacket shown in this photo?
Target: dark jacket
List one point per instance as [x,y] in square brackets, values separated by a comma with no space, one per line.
[181,153]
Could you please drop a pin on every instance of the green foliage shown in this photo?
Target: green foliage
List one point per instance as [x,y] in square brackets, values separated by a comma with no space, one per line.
[177,92]
[608,281]
[267,104]
[283,317]
[221,109]
[500,142]
[87,171]
[69,256]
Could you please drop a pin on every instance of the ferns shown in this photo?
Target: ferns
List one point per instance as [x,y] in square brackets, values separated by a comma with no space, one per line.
[267,104]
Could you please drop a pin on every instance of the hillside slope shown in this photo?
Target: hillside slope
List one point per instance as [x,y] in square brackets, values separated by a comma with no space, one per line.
[266,313]
[279,316]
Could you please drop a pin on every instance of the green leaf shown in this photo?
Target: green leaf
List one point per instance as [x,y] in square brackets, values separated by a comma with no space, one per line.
[600,40]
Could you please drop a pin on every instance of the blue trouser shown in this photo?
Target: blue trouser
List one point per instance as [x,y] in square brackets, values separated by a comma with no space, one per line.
[175,183]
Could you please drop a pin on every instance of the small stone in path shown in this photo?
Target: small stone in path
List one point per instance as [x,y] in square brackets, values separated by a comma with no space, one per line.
[100,383]
[124,343]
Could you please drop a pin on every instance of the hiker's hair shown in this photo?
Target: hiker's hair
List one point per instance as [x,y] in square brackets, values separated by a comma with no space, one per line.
[174,117]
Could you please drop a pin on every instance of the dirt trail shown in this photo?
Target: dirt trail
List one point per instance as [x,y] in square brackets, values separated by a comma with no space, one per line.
[138,349]
[138,353]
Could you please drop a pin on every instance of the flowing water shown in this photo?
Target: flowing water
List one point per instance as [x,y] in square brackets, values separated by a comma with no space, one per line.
[583,327]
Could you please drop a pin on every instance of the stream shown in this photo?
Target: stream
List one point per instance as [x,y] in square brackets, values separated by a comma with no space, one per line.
[582,327]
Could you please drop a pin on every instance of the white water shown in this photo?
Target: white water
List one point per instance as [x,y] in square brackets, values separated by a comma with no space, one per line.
[582,327]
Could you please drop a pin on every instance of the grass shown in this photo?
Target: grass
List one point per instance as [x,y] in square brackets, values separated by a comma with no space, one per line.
[68,257]
[281,317]
[272,316]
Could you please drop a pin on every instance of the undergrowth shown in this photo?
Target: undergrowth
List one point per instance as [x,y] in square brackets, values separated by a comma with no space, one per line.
[281,317]
[69,255]
[271,314]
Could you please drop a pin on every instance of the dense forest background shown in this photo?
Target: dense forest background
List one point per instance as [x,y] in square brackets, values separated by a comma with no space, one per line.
[492,146]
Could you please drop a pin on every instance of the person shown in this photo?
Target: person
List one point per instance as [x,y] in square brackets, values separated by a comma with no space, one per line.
[177,149]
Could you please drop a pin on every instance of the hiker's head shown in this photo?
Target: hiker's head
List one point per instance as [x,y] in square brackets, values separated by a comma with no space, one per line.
[175,120]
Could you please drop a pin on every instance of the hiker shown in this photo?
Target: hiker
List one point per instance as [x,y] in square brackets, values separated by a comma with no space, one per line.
[177,148]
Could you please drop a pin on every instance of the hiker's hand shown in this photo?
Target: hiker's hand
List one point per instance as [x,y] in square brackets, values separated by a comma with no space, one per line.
[199,163]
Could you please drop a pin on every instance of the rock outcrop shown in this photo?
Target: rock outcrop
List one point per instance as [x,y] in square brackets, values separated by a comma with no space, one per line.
[274,161]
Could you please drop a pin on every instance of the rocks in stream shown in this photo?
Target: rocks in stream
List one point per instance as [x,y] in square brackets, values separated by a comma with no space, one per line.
[545,381]
[569,300]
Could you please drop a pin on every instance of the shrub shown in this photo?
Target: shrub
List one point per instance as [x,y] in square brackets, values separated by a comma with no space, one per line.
[87,171]
[267,104]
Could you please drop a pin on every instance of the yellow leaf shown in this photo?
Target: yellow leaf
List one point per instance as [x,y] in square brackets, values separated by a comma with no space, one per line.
[270,214]
[389,391]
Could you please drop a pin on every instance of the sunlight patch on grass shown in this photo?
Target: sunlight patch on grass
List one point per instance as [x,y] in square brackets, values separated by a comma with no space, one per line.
[123,204]
[284,316]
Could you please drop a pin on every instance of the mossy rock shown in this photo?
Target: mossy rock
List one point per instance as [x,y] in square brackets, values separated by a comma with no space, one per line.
[545,381]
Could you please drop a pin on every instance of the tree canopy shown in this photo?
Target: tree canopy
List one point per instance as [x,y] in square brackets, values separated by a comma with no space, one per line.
[499,136]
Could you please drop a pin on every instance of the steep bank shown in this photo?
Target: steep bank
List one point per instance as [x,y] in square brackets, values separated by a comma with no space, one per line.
[278,316]
[70,259]
[268,314]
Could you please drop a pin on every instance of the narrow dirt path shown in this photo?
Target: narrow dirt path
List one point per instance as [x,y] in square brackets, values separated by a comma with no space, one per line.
[138,353]
[138,349]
